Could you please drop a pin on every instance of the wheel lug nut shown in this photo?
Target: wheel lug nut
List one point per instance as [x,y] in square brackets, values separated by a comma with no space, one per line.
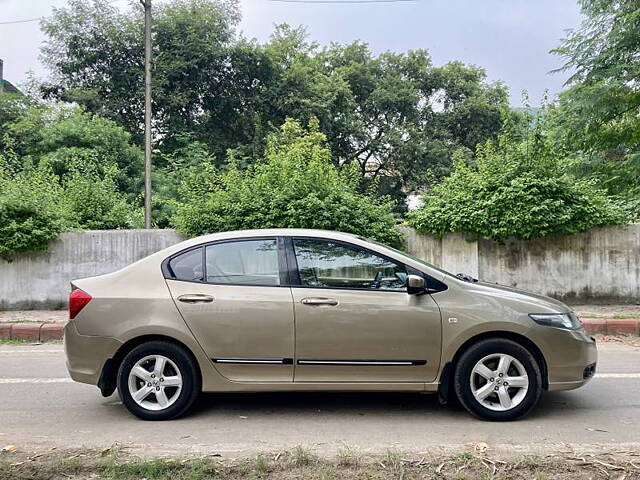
[149,384]
[506,383]
[153,376]
[161,379]
[158,388]
[496,388]
[492,379]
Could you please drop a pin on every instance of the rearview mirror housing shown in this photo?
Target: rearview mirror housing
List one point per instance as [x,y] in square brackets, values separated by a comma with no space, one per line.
[415,285]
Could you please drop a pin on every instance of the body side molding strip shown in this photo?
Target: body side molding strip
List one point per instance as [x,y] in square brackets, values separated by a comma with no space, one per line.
[373,363]
[254,361]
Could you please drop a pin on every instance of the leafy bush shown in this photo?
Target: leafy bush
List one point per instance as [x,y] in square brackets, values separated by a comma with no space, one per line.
[95,203]
[30,215]
[35,206]
[295,186]
[515,190]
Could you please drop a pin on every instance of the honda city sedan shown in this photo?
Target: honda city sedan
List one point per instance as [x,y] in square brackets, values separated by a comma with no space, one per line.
[312,310]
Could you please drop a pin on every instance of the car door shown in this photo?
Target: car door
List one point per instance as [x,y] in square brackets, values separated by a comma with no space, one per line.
[355,321]
[236,301]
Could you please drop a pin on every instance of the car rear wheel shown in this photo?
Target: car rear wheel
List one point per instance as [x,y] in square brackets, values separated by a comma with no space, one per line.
[498,379]
[158,380]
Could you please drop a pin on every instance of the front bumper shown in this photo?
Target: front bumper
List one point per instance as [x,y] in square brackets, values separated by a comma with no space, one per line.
[87,354]
[572,361]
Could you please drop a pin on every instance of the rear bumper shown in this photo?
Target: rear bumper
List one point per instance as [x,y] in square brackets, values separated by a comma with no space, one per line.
[87,354]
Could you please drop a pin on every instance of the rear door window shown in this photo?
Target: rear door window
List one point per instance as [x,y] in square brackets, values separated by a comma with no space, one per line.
[245,262]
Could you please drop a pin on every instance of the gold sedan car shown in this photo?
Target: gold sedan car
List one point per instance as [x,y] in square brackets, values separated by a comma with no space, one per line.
[301,310]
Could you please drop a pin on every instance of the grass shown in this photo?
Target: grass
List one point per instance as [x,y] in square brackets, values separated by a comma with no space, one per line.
[7,341]
[303,456]
[261,464]
[302,463]
[348,456]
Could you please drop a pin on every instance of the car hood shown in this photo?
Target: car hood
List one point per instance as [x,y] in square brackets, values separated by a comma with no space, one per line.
[534,303]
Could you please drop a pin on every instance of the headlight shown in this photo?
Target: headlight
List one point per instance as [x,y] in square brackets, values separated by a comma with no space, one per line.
[568,321]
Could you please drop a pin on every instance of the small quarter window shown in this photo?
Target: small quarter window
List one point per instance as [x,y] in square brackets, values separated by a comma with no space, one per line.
[246,262]
[187,266]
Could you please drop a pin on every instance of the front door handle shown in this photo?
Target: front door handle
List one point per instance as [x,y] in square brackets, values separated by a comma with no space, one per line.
[196,298]
[319,301]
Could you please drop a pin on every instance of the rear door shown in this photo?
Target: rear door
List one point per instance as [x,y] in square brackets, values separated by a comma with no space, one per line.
[355,321]
[236,301]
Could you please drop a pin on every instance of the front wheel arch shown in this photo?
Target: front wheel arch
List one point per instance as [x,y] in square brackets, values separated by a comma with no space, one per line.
[108,377]
[445,389]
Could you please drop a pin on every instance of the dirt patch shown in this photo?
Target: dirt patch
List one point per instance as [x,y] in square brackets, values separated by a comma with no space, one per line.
[630,340]
[302,463]
[607,311]
[40,316]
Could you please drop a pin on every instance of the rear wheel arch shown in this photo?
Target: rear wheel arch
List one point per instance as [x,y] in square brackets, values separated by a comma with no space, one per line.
[445,390]
[108,377]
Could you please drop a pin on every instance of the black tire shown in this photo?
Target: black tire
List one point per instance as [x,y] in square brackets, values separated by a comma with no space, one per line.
[191,383]
[478,351]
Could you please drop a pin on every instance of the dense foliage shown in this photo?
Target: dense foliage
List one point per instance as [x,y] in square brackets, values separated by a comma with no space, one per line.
[597,121]
[514,190]
[62,169]
[29,213]
[295,186]
[395,115]
[230,151]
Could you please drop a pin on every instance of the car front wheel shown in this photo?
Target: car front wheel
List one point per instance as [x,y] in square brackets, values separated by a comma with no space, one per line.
[498,379]
[158,380]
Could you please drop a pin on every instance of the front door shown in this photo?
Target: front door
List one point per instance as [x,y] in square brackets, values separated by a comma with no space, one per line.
[234,300]
[355,321]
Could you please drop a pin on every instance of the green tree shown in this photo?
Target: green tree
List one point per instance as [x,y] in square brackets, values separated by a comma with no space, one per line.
[67,139]
[516,189]
[96,55]
[395,116]
[597,121]
[295,186]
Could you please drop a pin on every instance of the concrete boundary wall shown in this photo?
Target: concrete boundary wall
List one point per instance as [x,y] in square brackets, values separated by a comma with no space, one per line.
[599,266]
[41,280]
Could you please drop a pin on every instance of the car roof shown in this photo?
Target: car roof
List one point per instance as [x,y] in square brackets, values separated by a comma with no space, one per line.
[267,232]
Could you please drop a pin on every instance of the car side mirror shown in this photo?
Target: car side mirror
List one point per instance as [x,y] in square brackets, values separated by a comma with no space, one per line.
[415,285]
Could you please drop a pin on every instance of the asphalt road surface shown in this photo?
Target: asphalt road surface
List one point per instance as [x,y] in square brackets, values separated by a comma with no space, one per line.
[40,408]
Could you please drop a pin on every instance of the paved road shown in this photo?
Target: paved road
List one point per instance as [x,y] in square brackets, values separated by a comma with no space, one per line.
[41,408]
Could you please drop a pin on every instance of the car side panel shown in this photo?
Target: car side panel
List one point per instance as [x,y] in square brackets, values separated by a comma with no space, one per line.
[471,310]
[132,303]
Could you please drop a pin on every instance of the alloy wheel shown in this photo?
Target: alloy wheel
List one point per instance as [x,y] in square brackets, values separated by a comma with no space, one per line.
[155,382]
[499,382]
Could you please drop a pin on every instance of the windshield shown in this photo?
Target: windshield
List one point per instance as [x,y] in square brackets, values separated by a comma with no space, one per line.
[405,254]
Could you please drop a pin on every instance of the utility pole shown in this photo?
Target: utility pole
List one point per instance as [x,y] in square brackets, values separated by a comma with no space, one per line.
[147,112]
[1,77]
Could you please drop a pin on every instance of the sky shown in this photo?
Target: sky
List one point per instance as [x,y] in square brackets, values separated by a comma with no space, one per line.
[510,39]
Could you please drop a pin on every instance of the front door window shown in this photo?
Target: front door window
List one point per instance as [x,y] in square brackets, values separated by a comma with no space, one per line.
[326,264]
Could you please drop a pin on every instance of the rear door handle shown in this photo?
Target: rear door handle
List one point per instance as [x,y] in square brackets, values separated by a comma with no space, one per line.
[319,301]
[196,298]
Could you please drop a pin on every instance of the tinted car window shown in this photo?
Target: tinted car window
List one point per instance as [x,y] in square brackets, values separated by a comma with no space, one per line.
[327,264]
[188,266]
[248,262]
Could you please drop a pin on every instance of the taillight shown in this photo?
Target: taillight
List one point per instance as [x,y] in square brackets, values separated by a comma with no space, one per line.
[77,301]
